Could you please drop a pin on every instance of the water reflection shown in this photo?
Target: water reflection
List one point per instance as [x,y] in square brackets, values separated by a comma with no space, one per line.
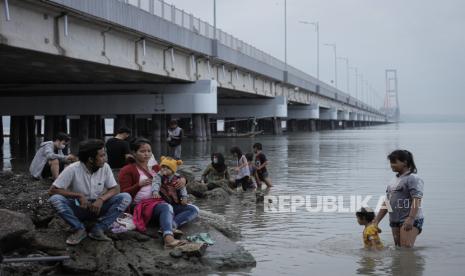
[345,162]
[392,261]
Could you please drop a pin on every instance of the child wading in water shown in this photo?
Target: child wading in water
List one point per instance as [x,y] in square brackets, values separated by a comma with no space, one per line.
[260,166]
[371,232]
[242,169]
[404,195]
[253,172]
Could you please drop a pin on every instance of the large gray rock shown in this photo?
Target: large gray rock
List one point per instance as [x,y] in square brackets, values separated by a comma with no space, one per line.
[13,229]
[218,194]
[187,173]
[220,224]
[129,253]
[50,241]
[196,188]
[98,258]
[224,254]
[149,258]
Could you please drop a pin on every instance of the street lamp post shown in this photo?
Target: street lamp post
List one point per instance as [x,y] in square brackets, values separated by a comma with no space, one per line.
[317,30]
[335,61]
[285,34]
[214,19]
[356,80]
[361,87]
[347,72]
[366,91]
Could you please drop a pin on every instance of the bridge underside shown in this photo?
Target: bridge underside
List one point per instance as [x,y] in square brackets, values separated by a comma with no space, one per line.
[22,66]
[71,83]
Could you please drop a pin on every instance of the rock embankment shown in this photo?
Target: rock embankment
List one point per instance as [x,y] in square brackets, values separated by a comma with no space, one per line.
[29,227]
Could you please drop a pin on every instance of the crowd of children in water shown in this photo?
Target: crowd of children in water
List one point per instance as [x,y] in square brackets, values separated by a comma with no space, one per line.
[155,191]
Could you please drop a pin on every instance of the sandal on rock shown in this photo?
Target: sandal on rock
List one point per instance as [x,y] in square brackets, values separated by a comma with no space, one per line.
[76,237]
[175,244]
[176,233]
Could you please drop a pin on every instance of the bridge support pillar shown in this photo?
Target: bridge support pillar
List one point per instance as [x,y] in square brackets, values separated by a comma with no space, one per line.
[304,114]
[332,124]
[22,135]
[208,128]
[292,125]
[156,128]
[313,125]
[123,121]
[84,127]
[197,126]
[303,125]
[2,139]
[49,125]
[38,127]
[204,127]
[95,126]
[52,125]
[74,128]
[275,108]
[277,127]
[329,115]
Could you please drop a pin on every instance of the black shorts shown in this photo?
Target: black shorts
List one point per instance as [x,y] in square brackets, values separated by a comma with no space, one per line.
[46,172]
[245,182]
[418,223]
[262,175]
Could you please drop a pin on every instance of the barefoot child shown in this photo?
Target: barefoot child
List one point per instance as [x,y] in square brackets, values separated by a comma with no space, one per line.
[404,195]
[253,172]
[260,166]
[163,184]
[242,169]
[371,232]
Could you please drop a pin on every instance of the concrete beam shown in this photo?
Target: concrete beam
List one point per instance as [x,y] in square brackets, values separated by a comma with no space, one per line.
[343,115]
[194,98]
[328,114]
[352,116]
[311,111]
[246,108]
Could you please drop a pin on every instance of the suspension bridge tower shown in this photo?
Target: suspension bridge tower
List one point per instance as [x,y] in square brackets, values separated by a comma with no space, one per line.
[391,101]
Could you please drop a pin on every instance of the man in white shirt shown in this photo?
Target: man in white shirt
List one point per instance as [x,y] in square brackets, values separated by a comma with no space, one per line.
[87,190]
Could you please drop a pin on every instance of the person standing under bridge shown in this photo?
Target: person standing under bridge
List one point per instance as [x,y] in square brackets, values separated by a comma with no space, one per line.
[174,140]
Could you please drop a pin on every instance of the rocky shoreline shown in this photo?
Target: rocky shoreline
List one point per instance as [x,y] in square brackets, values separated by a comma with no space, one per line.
[30,228]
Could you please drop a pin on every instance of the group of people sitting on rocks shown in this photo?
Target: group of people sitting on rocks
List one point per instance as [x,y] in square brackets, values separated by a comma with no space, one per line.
[250,170]
[85,189]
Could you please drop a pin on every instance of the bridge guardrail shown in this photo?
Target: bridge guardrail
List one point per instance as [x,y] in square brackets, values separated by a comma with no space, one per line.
[188,21]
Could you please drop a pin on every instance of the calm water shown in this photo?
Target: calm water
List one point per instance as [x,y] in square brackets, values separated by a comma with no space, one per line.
[349,162]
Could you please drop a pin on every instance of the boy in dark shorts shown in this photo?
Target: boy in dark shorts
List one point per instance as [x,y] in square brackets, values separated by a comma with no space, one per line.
[260,165]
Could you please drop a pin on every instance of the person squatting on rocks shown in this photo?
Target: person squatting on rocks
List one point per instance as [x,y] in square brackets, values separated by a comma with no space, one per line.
[87,190]
[216,174]
[49,160]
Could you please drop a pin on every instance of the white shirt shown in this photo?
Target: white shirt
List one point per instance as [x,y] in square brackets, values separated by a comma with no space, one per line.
[244,171]
[78,179]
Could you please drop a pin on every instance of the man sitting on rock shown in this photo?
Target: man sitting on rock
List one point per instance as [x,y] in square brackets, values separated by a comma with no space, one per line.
[49,160]
[87,190]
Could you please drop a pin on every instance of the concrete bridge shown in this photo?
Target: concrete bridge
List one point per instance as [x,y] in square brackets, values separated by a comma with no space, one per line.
[144,61]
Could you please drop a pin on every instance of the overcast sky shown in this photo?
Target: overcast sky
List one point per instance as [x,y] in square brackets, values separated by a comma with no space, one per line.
[423,39]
